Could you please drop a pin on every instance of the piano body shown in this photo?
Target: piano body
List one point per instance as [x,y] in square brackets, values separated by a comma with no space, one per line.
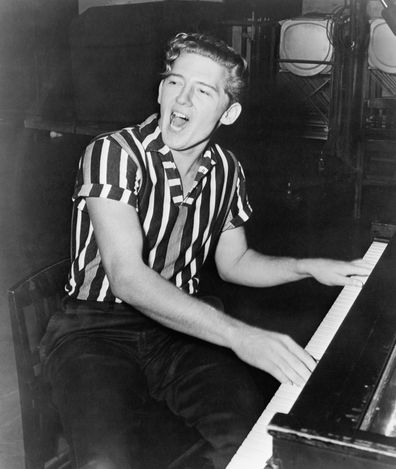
[345,416]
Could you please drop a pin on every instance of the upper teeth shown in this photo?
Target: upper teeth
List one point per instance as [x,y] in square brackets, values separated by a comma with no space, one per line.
[179,114]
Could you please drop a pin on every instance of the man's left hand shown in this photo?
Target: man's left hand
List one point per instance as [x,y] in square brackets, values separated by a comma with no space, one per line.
[335,272]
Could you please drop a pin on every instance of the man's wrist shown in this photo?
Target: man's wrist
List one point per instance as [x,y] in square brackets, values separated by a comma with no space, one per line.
[303,267]
[232,332]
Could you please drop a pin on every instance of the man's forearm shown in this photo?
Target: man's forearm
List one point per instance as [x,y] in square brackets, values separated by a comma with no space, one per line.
[257,270]
[254,269]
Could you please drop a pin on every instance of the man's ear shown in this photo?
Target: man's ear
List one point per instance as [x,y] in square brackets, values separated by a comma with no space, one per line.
[159,92]
[231,114]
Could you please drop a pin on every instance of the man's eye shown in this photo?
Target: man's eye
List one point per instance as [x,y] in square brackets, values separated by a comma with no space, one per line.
[203,91]
[171,81]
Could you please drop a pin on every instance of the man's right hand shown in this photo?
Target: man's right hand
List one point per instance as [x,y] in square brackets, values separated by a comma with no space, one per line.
[275,353]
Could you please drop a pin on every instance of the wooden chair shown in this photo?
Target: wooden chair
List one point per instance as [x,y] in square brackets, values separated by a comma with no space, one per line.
[32,301]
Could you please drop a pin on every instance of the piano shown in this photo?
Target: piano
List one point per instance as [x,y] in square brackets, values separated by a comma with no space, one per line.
[345,415]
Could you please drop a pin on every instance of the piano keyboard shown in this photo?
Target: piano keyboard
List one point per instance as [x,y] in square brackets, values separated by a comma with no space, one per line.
[256,449]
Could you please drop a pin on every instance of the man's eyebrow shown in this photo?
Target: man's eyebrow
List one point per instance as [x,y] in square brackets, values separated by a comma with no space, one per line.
[172,74]
[202,83]
[214,88]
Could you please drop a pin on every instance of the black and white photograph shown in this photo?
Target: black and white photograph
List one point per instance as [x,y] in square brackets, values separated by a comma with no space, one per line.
[198,234]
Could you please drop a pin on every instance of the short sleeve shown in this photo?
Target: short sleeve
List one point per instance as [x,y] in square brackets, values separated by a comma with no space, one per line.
[240,209]
[107,170]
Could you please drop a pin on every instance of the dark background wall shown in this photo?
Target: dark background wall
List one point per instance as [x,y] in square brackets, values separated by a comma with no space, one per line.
[35,43]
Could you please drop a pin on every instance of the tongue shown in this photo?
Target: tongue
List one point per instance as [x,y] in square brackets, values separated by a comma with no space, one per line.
[178,121]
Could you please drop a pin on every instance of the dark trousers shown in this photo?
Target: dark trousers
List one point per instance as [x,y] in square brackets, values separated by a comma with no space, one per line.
[102,363]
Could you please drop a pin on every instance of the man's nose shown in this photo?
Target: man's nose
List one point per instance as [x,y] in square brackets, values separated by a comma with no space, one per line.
[184,97]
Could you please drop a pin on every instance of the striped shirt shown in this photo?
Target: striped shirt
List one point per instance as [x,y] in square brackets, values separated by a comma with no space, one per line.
[135,167]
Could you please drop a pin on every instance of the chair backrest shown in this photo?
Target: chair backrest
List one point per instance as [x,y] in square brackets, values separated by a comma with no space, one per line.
[32,301]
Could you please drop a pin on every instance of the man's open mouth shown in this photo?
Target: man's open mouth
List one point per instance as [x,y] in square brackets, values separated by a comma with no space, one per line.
[178,120]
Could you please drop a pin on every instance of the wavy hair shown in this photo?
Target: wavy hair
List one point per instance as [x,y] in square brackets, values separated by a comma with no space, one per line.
[218,51]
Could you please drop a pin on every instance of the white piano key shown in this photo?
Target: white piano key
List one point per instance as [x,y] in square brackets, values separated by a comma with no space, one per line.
[280,406]
[256,449]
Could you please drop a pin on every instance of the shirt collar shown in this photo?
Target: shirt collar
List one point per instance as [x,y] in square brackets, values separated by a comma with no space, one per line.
[152,137]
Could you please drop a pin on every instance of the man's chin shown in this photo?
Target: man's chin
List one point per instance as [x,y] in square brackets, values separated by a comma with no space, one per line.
[181,140]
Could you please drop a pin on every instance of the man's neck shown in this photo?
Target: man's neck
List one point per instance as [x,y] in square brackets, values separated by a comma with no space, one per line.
[188,161]
[187,165]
